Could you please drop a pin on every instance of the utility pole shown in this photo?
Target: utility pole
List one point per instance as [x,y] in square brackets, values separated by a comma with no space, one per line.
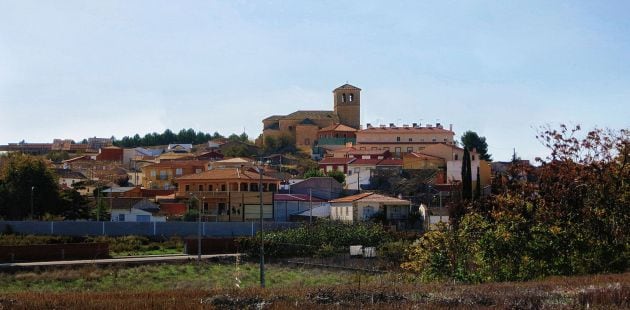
[262,238]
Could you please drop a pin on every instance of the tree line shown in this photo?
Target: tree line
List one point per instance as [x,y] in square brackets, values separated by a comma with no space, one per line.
[168,137]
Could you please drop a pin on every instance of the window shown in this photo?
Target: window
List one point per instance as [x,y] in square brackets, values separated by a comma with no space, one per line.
[178,171]
[456,156]
[209,188]
[397,151]
[197,170]
[121,217]
[397,139]
[410,139]
[445,140]
[350,97]
[143,218]
[163,175]
[473,157]
[205,207]
[343,98]
[329,168]
[201,187]
[409,149]
[223,187]
[187,188]
[153,174]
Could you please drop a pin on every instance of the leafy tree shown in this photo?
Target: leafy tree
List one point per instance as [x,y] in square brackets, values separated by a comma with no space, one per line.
[337,175]
[74,205]
[313,173]
[22,176]
[472,140]
[58,156]
[571,219]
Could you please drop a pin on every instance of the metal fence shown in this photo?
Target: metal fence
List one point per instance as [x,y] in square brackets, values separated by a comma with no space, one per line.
[166,229]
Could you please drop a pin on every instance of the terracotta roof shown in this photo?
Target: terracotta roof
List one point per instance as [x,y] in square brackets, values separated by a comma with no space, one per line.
[351,198]
[235,160]
[313,115]
[367,152]
[347,86]
[178,163]
[296,197]
[390,162]
[226,174]
[396,130]
[337,161]
[370,197]
[338,127]
[367,162]
[274,118]
[421,155]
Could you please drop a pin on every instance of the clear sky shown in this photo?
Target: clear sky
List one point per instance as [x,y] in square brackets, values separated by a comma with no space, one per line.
[78,69]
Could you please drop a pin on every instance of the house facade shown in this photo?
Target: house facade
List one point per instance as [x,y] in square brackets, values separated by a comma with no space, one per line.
[162,175]
[229,194]
[363,206]
[405,139]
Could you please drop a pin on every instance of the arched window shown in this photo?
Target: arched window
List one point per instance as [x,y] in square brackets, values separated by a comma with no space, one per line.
[343,97]
[350,97]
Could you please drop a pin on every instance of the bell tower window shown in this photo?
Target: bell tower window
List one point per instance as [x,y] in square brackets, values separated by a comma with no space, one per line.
[350,97]
[343,97]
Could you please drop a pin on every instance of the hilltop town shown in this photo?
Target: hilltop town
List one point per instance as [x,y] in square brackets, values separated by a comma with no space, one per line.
[308,162]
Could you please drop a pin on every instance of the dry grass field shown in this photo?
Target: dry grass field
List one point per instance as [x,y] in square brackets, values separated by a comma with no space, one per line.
[179,288]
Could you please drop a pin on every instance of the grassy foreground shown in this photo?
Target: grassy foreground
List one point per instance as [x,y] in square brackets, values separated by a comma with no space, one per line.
[213,286]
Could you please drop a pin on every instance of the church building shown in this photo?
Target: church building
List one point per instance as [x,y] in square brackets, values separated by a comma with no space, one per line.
[304,125]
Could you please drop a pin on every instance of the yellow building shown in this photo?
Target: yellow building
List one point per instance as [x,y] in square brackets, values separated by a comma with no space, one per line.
[405,139]
[303,126]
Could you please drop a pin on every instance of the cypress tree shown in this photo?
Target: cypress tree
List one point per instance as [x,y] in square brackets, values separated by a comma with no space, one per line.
[466,176]
[478,186]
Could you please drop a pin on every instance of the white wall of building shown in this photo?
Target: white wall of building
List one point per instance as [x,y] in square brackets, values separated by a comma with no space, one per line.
[134,215]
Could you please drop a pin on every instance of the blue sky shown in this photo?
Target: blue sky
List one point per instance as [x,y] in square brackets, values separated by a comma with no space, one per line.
[75,69]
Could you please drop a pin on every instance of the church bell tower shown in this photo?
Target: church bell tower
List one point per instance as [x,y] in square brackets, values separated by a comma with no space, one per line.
[347,100]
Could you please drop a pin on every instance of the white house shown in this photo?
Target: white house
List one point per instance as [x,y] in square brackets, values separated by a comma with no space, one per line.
[143,211]
[361,207]
[286,205]
[68,177]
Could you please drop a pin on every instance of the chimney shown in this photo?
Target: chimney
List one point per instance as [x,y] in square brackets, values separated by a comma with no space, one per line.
[368,125]
[391,125]
[438,125]
[450,127]
[415,125]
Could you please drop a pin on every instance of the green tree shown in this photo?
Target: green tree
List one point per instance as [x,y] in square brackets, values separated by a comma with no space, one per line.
[337,175]
[472,140]
[23,177]
[58,156]
[312,173]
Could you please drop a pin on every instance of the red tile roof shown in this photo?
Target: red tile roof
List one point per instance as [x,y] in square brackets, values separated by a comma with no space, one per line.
[396,130]
[338,127]
[226,174]
[366,162]
[370,197]
[296,197]
[390,162]
[336,161]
